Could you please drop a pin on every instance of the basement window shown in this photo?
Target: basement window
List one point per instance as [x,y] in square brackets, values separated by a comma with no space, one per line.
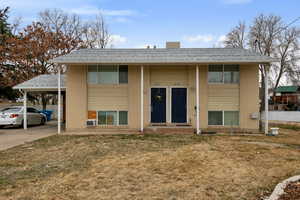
[112,118]
[107,74]
[223,118]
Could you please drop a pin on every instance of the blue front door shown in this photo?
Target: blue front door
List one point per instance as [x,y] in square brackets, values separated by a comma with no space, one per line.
[158,105]
[179,105]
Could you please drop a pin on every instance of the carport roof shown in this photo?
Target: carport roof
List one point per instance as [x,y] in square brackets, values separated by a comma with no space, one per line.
[45,82]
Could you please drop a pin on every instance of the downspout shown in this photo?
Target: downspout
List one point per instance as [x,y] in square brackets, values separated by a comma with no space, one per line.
[198,131]
[59,103]
[142,98]
[266,100]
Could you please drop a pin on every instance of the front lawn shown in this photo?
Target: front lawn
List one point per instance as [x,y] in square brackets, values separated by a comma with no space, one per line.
[148,167]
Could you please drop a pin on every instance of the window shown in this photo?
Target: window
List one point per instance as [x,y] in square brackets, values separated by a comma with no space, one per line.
[223,74]
[215,118]
[123,117]
[231,74]
[107,74]
[112,118]
[215,74]
[32,110]
[231,118]
[123,74]
[92,74]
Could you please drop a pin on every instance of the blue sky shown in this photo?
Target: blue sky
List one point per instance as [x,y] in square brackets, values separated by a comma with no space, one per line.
[136,23]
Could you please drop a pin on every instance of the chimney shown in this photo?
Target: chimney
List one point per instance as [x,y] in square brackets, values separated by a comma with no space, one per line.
[172,45]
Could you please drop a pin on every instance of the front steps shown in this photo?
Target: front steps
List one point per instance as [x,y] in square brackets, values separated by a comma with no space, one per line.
[169,129]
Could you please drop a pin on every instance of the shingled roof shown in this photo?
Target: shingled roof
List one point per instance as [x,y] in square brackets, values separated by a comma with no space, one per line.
[162,55]
[42,82]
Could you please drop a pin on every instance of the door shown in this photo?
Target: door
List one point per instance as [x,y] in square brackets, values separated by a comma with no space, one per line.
[179,105]
[158,105]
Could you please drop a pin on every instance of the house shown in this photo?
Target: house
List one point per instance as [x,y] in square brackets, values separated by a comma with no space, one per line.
[196,88]
[286,98]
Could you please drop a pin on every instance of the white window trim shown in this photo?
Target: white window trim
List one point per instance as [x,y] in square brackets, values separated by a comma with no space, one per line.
[97,82]
[223,82]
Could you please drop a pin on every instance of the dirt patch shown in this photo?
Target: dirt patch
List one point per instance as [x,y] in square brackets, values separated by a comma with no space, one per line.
[146,167]
[292,191]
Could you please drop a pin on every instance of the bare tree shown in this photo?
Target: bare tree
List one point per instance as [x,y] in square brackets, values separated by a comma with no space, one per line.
[56,20]
[96,33]
[236,38]
[16,25]
[269,36]
[286,52]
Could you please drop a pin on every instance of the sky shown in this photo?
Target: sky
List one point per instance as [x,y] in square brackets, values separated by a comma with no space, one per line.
[138,23]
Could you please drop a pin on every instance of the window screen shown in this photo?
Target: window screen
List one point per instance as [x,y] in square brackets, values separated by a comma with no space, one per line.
[215,73]
[231,73]
[123,117]
[231,118]
[215,118]
[108,74]
[101,117]
[123,74]
[92,74]
[111,118]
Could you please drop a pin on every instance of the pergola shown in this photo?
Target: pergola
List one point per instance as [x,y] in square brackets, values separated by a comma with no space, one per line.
[50,83]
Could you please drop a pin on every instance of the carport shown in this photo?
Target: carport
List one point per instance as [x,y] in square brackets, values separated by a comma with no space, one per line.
[46,83]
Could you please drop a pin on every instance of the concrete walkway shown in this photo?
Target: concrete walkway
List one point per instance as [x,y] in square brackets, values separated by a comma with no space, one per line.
[10,137]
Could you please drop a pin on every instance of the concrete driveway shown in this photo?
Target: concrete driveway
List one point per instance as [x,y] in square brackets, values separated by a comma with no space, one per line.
[10,137]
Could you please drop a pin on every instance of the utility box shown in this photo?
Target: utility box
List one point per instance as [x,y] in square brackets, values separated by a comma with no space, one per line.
[254,115]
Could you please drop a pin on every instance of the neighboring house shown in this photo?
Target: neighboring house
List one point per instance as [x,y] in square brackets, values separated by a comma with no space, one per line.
[286,98]
[142,88]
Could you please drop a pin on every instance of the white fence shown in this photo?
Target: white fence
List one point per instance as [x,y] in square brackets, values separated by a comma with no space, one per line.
[285,116]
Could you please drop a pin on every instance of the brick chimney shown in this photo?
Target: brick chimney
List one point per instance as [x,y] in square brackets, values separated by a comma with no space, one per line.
[172,45]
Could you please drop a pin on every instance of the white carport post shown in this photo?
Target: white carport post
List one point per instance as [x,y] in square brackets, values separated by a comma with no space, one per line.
[142,98]
[59,102]
[266,99]
[25,110]
[197,101]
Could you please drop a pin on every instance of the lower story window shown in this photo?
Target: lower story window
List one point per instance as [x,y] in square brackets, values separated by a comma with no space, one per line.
[215,118]
[223,118]
[231,118]
[112,118]
[123,117]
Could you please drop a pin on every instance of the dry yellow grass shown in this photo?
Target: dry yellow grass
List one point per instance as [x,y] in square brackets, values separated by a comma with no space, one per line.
[148,167]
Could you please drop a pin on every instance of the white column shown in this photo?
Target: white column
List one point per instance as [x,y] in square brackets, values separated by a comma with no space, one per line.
[25,110]
[142,98]
[59,103]
[266,100]
[197,101]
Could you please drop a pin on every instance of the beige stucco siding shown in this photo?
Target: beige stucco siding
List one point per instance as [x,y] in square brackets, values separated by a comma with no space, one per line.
[203,70]
[134,100]
[168,75]
[223,97]
[82,97]
[76,97]
[108,97]
[249,96]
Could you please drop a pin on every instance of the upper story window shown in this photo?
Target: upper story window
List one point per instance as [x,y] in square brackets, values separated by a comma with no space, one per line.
[108,74]
[223,73]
